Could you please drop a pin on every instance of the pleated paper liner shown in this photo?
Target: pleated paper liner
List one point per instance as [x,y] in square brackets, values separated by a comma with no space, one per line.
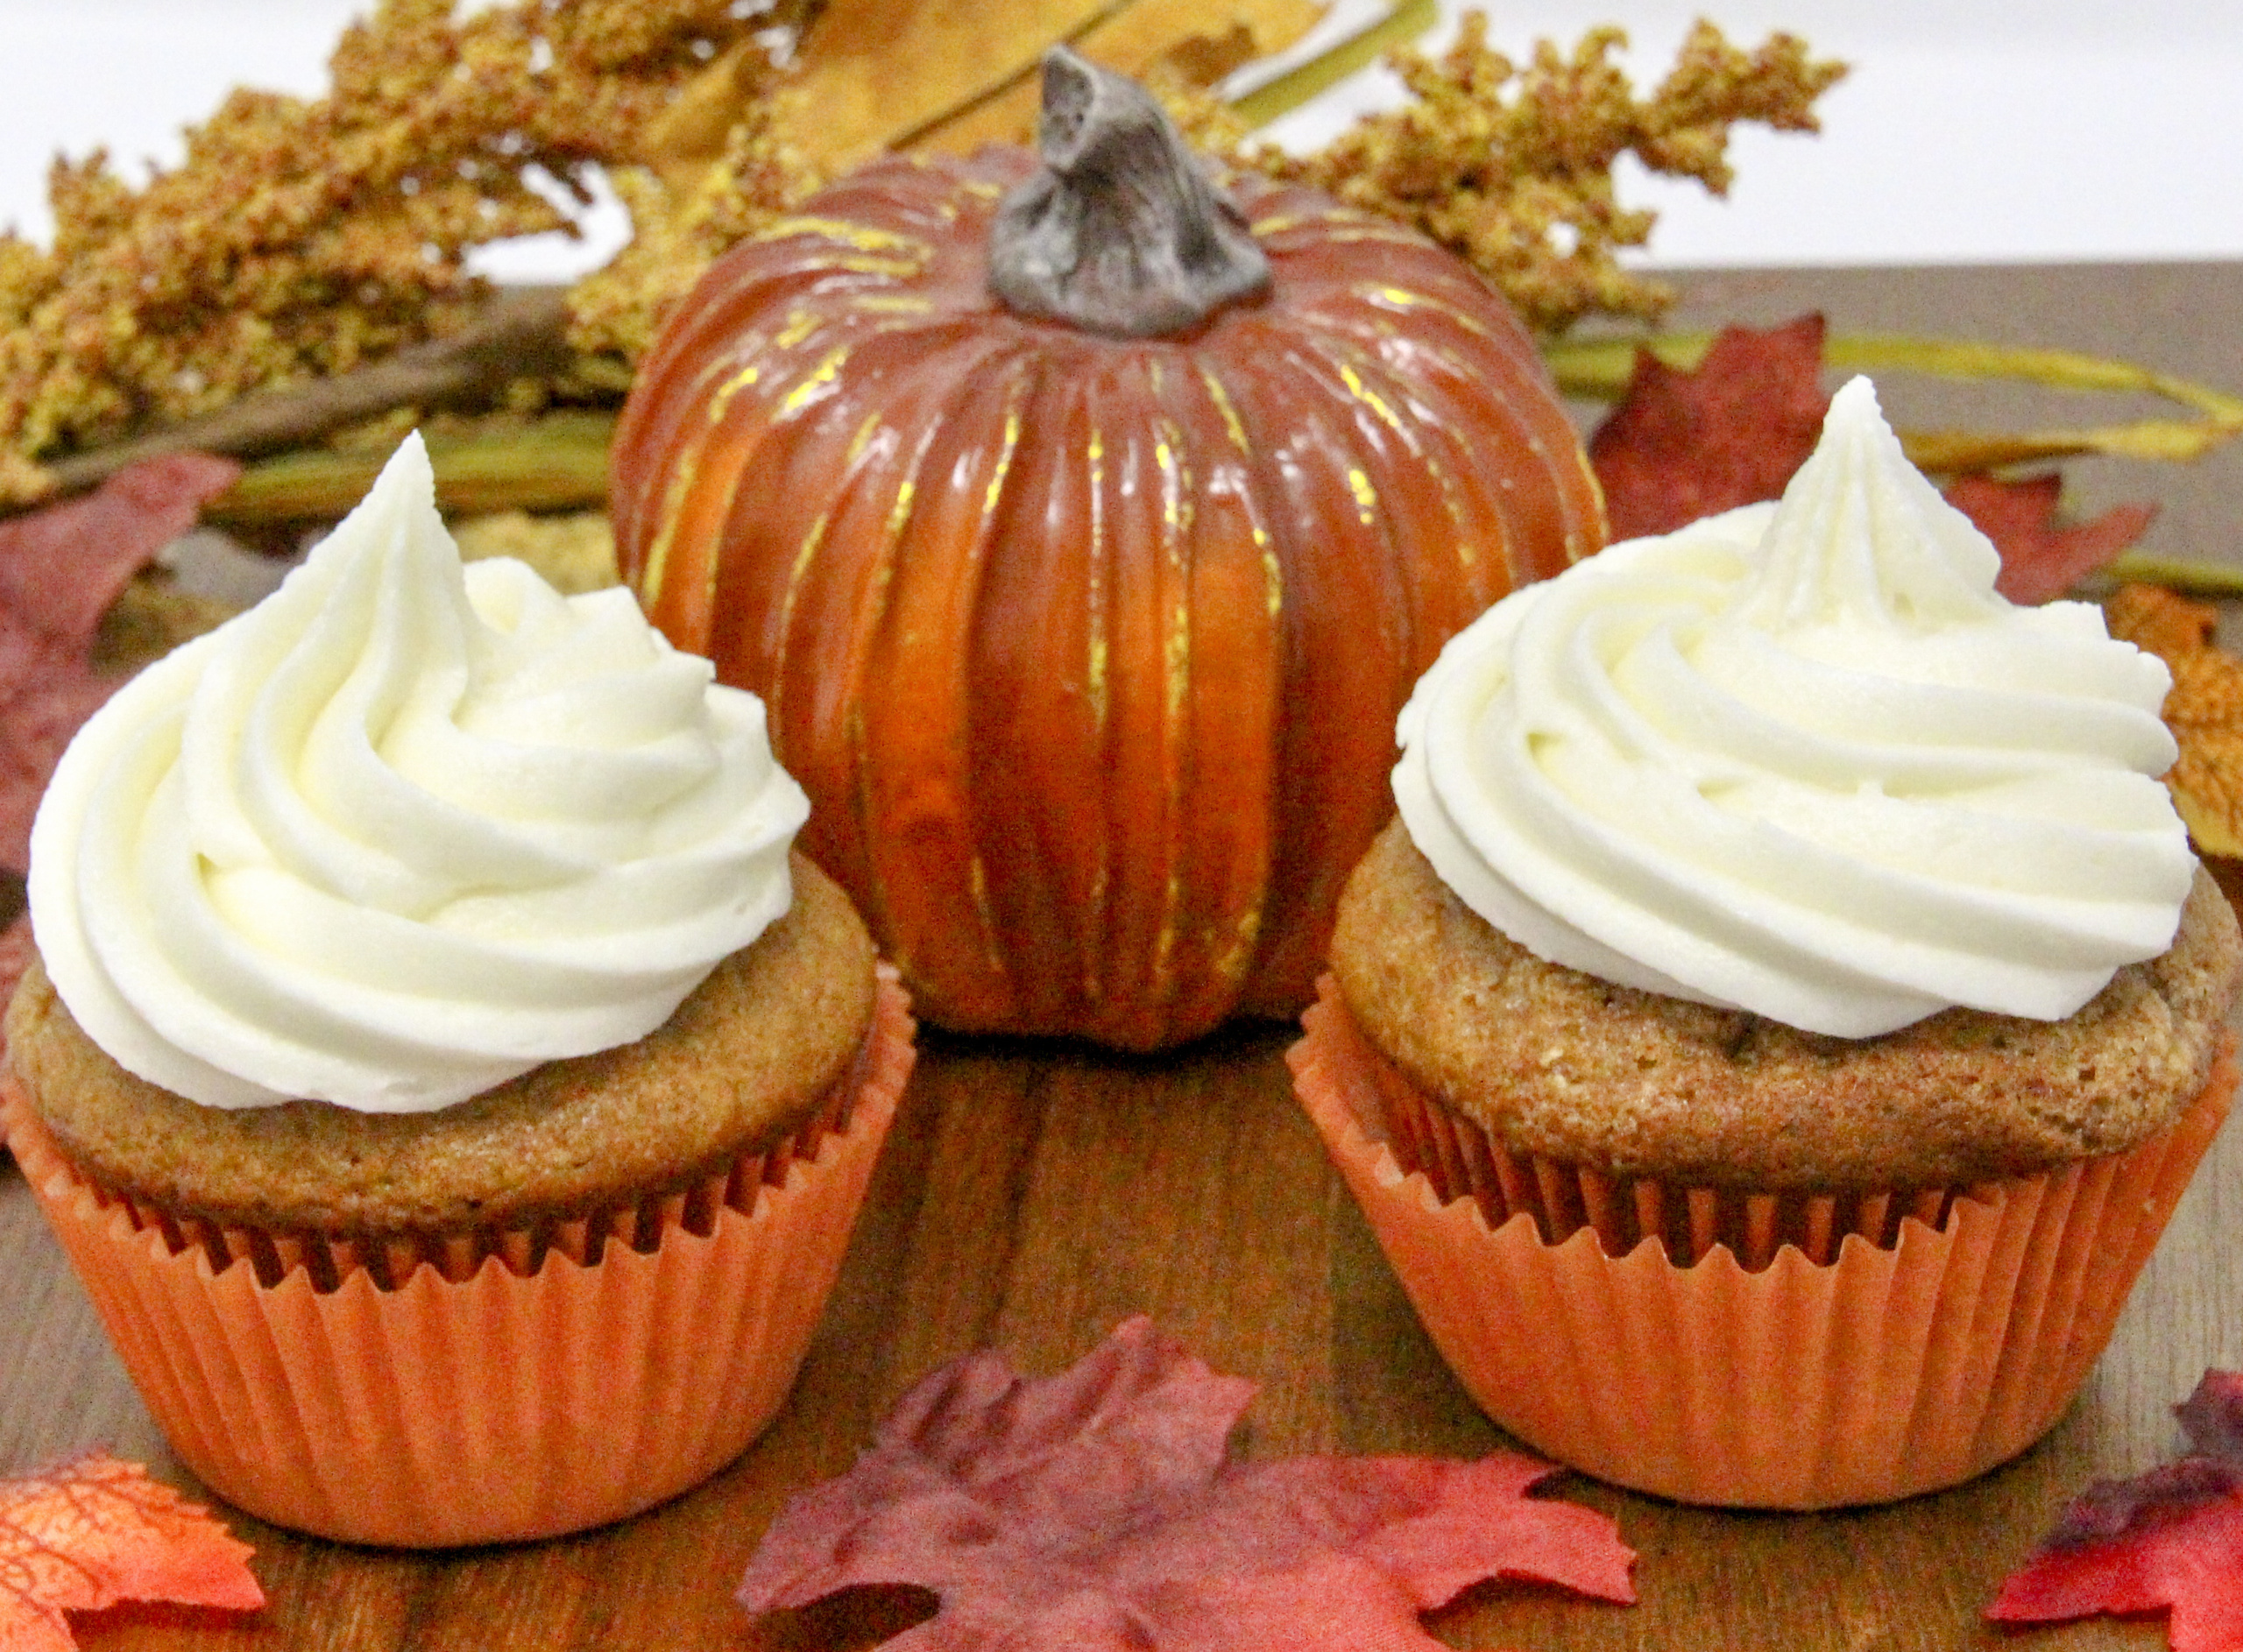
[1764,1351]
[491,1387]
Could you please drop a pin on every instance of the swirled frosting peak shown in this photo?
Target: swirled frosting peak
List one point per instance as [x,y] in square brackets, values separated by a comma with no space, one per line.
[404,831]
[1802,759]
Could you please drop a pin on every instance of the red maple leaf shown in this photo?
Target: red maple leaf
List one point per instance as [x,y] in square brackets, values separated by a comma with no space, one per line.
[1098,1509]
[2169,1540]
[2040,558]
[59,570]
[1684,444]
[94,1531]
[1689,443]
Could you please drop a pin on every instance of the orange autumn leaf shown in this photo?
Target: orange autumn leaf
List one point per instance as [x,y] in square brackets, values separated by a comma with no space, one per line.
[90,1532]
[2205,711]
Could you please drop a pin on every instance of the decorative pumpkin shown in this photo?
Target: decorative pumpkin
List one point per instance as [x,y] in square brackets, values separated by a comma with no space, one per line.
[1088,646]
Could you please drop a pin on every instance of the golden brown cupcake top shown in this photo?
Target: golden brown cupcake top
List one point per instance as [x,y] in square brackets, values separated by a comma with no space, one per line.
[743,1061]
[1553,1061]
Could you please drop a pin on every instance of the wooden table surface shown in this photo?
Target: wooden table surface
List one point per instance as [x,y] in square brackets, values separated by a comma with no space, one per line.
[1032,1196]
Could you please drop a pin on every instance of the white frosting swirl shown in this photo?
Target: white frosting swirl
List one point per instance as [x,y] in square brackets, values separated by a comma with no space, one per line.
[1800,759]
[404,831]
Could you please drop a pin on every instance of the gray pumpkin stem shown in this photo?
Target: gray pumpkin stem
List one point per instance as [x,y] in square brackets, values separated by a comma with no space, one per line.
[1121,231]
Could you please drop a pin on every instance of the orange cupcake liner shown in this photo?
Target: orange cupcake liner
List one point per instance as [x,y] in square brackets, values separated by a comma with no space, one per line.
[1764,1351]
[491,1387]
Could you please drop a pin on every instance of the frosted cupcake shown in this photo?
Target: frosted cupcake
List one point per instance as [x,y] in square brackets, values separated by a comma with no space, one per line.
[1787,1010]
[452,1094]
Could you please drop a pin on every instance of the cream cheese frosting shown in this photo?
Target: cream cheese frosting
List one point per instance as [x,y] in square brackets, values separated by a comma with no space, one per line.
[1802,759]
[404,831]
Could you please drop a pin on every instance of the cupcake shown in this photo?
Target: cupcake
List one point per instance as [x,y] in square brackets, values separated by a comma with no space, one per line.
[1785,1011]
[452,1092]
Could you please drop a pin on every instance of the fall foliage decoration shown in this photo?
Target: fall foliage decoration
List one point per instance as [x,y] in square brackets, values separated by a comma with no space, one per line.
[2042,558]
[1509,165]
[1087,648]
[2204,710]
[1685,442]
[2167,1540]
[61,570]
[1101,1508]
[92,1531]
[302,236]
[1601,368]
[302,239]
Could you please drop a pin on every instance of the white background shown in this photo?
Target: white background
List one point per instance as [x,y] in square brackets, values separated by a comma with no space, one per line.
[1969,130]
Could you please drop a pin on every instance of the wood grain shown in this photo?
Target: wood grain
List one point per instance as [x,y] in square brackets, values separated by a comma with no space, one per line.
[1033,1195]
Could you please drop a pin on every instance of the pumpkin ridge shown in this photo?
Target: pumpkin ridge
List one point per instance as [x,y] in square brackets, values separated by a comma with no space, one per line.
[1462,394]
[919,735]
[1224,807]
[749,365]
[932,391]
[766,428]
[1338,627]
[1020,376]
[1402,458]
[1174,611]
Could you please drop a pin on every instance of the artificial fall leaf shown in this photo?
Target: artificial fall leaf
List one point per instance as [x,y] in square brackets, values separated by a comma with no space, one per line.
[94,1531]
[2040,558]
[2169,1540]
[60,569]
[1162,42]
[1100,1510]
[872,75]
[1687,444]
[2204,710]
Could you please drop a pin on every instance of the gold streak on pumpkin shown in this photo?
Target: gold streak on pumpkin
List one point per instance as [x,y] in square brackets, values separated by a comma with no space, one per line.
[859,238]
[1096,594]
[681,483]
[898,513]
[1231,963]
[797,572]
[863,439]
[820,380]
[1396,298]
[987,914]
[1176,517]
[1176,651]
[1220,397]
[800,325]
[656,571]
[1176,483]
[1369,398]
[1165,942]
[990,494]
[1334,227]
[891,304]
[1366,496]
[1273,573]
[894,269]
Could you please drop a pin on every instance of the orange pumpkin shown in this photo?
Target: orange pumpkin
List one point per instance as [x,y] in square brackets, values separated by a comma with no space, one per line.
[1086,648]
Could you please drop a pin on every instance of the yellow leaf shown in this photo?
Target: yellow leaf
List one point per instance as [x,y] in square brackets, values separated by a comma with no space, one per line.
[1198,42]
[874,73]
